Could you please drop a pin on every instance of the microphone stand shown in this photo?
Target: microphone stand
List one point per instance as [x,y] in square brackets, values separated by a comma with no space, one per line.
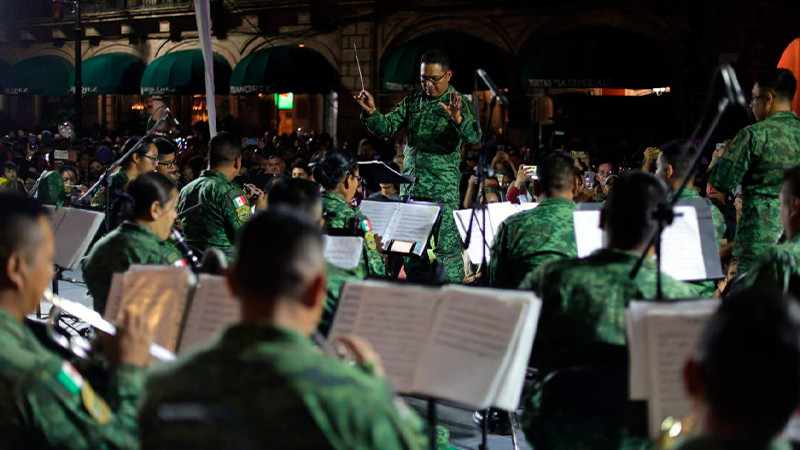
[105,178]
[665,213]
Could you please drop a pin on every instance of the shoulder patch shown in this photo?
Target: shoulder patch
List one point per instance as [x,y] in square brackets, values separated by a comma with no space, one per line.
[95,405]
[69,377]
[243,213]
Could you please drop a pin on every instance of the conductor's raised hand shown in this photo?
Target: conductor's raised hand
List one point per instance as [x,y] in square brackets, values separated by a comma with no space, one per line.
[453,107]
[365,100]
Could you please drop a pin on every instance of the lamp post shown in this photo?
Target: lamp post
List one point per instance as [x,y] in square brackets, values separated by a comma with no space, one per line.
[58,11]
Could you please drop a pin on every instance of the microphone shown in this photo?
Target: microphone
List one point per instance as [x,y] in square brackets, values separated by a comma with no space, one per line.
[732,89]
[171,116]
[496,92]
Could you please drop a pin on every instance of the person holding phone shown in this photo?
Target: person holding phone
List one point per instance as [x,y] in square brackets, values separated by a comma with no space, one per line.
[439,120]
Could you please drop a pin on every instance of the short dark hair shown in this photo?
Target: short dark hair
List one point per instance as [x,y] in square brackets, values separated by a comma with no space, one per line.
[292,240]
[19,230]
[628,212]
[68,168]
[223,149]
[165,146]
[780,81]
[436,56]
[148,188]
[556,172]
[333,167]
[679,153]
[8,165]
[749,355]
[141,151]
[302,164]
[297,193]
[791,177]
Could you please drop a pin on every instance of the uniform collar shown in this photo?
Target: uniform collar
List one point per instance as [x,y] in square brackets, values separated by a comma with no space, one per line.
[245,334]
[617,255]
[331,196]
[209,173]
[781,114]
[689,192]
[136,228]
[557,201]
[437,99]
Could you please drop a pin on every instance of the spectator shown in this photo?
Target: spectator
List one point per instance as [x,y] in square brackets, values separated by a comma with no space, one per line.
[366,150]
[301,170]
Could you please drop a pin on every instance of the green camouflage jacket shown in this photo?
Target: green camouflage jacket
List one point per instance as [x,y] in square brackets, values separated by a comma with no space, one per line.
[779,268]
[756,159]
[338,215]
[260,386]
[528,239]
[129,244]
[51,189]
[216,224]
[46,403]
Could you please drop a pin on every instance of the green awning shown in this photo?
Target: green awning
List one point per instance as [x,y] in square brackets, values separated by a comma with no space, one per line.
[596,57]
[40,75]
[467,53]
[183,73]
[283,69]
[112,73]
[4,70]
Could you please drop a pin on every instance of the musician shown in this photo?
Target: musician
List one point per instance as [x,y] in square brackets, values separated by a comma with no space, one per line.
[439,121]
[755,159]
[584,301]
[672,163]
[44,401]
[167,158]
[226,207]
[263,383]
[143,160]
[779,267]
[140,240]
[529,239]
[743,378]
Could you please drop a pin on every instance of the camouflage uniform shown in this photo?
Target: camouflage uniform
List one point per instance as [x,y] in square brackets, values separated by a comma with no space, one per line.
[217,223]
[756,159]
[118,182]
[260,386]
[583,323]
[129,244]
[51,189]
[707,288]
[779,268]
[338,215]
[45,403]
[433,155]
[528,239]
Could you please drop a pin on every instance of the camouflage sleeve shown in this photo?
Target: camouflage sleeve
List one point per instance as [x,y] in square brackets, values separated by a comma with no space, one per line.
[63,415]
[385,125]
[234,214]
[470,129]
[775,271]
[51,189]
[730,168]
[720,226]
[533,280]
[498,270]
[382,422]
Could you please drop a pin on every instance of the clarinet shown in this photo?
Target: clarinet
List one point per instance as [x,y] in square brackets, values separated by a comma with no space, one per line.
[179,240]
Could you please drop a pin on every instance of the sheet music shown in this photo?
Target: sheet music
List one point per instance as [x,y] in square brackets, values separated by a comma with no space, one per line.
[470,348]
[475,253]
[396,320]
[212,309]
[380,215]
[682,251]
[672,338]
[513,381]
[344,321]
[344,251]
[73,231]
[413,223]
[499,212]
[114,297]
[159,293]
[636,331]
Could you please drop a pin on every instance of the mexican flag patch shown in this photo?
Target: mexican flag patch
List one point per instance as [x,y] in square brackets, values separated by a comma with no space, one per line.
[240,201]
[70,378]
[180,263]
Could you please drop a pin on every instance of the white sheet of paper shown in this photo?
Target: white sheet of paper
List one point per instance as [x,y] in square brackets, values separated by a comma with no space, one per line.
[213,308]
[470,348]
[681,249]
[73,231]
[380,215]
[499,212]
[413,223]
[344,251]
[462,218]
[672,338]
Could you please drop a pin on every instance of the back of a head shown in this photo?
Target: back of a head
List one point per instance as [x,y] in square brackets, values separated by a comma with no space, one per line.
[297,193]
[436,56]
[781,81]
[293,242]
[141,151]
[165,146]
[749,355]
[556,173]
[333,167]
[223,149]
[146,189]
[629,210]
[678,153]
[20,231]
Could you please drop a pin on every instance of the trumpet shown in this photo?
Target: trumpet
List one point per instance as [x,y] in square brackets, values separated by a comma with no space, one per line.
[79,346]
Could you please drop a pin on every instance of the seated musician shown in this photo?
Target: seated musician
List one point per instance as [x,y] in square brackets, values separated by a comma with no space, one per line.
[140,240]
[263,383]
[44,401]
[584,301]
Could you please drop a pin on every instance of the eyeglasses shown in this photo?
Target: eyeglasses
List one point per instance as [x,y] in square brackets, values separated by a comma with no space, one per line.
[605,172]
[433,80]
[151,158]
[167,164]
[757,97]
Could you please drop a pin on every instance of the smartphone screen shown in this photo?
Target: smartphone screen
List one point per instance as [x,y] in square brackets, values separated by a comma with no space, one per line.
[401,246]
[251,141]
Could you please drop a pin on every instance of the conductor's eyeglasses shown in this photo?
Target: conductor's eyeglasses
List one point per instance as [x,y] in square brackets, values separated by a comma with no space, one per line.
[433,80]
[757,97]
